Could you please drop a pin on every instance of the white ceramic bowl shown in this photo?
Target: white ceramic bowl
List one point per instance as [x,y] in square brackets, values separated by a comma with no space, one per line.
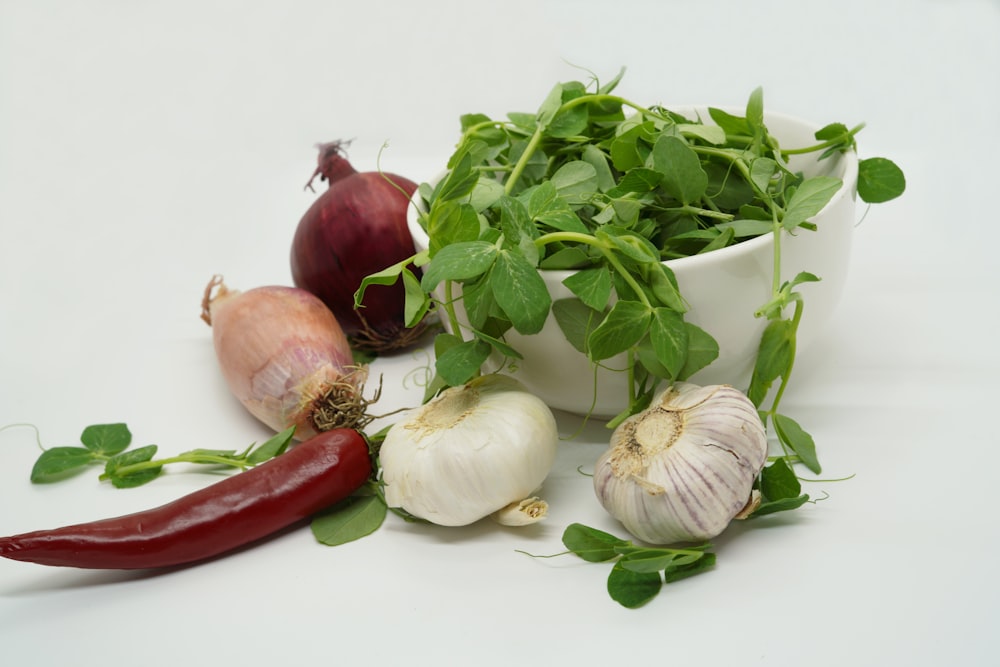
[723,289]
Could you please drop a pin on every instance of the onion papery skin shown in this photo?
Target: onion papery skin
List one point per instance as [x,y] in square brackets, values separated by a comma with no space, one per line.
[688,485]
[355,228]
[285,357]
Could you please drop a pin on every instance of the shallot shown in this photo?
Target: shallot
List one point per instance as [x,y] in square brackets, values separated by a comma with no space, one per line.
[285,357]
[354,229]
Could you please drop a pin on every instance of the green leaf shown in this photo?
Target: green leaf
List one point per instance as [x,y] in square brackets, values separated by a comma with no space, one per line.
[499,345]
[597,159]
[712,134]
[683,569]
[569,122]
[451,222]
[520,292]
[112,468]
[518,230]
[723,238]
[833,131]
[416,303]
[387,276]
[460,180]
[809,199]
[755,112]
[574,179]
[633,589]
[486,193]
[54,463]
[880,180]
[478,301]
[774,355]
[460,363]
[747,228]
[761,171]
[637,181]
[780,490]
[651,559]
[349,520]
[576,320]
[592,286]
[669,337]
[803,277]
[632,145]
[591,544]
[783,505]
[702,350]
[795,438]
[683,176]
[272,447]
[624,326]
[630,244]
[106,439]
[547,208]
[731,124]
[778,481]
[459,261]
[550,106]
[663,285]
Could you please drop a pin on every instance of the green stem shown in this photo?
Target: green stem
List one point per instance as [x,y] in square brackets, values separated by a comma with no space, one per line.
[210,459]
[522,162]
[704,212]
[823,146]
[776,268]
[796,318]
[577,237]
[449,309]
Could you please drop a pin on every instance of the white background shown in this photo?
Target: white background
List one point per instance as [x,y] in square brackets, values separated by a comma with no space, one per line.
[145,146]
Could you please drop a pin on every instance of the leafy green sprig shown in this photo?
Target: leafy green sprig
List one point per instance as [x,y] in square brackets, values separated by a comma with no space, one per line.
[107,445]
[638,573]
[580,185]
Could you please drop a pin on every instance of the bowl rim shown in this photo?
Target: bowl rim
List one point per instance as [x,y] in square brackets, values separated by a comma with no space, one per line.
[749,246]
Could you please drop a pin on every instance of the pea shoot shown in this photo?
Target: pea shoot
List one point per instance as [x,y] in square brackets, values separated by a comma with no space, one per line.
[597,183]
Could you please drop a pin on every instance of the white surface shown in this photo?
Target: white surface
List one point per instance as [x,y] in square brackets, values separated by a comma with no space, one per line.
[146,146]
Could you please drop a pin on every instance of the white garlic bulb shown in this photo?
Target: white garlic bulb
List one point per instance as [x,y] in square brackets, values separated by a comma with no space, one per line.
[681,470]
[469,452]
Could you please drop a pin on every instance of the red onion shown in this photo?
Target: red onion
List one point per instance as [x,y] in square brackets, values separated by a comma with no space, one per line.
[354,229]
[285,357]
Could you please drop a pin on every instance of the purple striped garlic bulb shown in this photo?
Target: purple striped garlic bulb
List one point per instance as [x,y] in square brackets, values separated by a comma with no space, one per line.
[681,470]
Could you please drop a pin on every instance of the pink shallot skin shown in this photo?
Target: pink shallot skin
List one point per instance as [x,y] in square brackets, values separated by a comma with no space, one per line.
[280,349]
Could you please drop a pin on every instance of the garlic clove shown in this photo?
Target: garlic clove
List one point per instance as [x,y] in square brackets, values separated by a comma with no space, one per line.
[681,470]
[522,512]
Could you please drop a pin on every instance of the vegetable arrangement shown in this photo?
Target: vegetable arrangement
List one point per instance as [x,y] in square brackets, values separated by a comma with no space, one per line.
[591,182]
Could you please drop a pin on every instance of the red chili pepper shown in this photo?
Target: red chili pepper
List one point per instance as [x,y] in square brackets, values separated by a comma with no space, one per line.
[242,508]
